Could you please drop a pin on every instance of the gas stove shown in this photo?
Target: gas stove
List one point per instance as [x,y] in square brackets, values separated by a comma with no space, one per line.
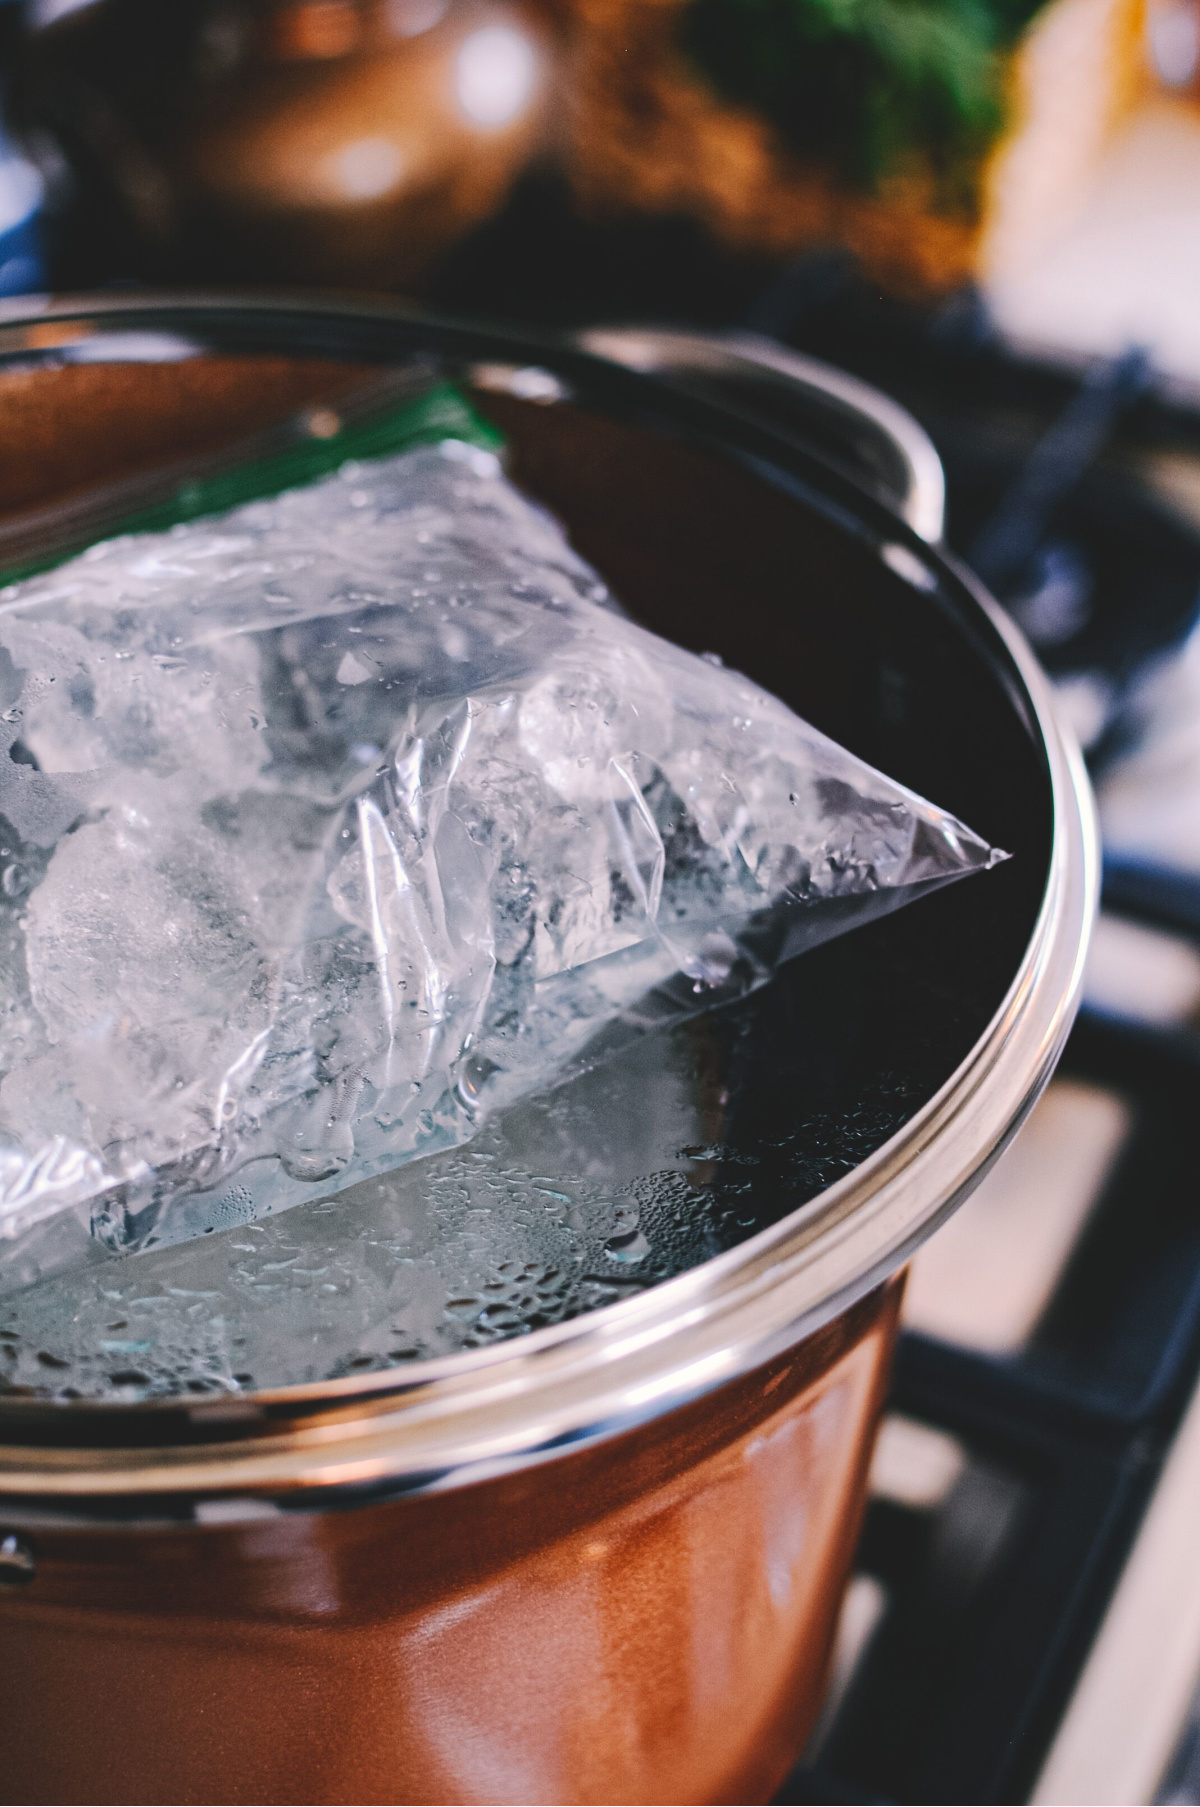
[1024,1618]
[1024,1622]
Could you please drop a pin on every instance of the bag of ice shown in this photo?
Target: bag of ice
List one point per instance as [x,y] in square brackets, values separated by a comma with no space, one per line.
[332,823]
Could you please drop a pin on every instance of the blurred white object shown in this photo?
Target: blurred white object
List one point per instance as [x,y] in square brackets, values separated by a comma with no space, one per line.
[1150,799]
[495,74]
[1173,39]
[1116,1738]
[1072,87]
[862,1612]
[1084,702]
[914,1464]
[1139,972]
[1120,263]
[987,1276]
[49,12]
[1092,235]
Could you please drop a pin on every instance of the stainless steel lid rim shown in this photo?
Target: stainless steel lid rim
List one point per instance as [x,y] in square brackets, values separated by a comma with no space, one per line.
[655,350]
[922,506]
[465,1417]
[251,321]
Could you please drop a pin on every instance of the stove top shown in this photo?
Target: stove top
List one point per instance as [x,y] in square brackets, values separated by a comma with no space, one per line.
[1024,1618]
[1011,1482]
[1024,1621]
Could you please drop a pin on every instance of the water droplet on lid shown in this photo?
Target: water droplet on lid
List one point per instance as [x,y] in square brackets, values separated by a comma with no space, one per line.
[628,1247]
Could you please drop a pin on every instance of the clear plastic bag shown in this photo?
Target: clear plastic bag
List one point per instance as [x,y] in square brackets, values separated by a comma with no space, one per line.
[336,822]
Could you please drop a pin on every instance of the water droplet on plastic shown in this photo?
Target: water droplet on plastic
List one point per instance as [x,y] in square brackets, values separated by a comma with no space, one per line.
[629,1247]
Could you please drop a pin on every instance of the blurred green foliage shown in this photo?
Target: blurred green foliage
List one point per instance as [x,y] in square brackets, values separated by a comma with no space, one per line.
[866,85]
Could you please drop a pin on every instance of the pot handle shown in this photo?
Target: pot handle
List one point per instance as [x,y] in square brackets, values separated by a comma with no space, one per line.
[870,437]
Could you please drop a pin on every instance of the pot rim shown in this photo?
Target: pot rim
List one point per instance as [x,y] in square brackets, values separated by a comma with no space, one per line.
[465,1417]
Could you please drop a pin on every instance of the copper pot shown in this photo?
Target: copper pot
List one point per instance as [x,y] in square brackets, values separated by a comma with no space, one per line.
[601,1562]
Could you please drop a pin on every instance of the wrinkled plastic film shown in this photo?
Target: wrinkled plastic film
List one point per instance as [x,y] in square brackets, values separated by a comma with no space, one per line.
[337,822]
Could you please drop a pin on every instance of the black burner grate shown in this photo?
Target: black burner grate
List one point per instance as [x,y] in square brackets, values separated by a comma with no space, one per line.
[994,1598]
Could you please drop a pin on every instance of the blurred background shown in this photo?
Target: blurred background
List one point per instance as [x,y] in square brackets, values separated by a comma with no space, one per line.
[991,210]
[560,158]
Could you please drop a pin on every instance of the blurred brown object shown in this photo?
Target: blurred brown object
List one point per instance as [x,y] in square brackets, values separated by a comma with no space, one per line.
[353,142]
[333,141]
[649,133]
